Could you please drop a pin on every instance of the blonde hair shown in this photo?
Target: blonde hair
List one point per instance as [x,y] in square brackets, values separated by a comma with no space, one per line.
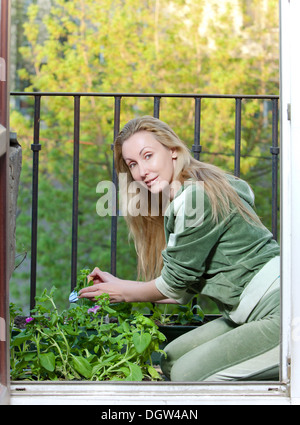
[148,230]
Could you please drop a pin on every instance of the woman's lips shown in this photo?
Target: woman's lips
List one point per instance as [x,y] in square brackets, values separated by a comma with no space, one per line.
[151,182]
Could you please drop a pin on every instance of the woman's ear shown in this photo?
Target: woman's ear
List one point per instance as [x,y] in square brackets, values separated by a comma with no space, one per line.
[174,153]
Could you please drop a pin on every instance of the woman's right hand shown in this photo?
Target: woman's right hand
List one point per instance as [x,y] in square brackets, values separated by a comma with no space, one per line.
[103,282]
[98,276]
[120,290]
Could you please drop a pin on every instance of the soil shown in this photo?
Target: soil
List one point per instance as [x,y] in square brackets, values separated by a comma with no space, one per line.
[20,322]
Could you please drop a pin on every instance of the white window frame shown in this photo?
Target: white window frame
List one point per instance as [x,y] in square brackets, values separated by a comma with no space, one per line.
[287,391]
[290,194]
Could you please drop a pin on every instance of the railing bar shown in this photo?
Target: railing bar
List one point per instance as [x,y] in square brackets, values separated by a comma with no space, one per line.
[275,152]
[237,148]
[196,148]
[114,218]
[75,192]
[35,147]
[179,95]
[156,107]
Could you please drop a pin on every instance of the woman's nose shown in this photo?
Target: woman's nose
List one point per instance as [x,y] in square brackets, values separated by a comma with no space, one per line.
[143,171]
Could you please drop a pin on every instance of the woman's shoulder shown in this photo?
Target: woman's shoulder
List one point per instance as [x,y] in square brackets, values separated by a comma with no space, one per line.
[242,188]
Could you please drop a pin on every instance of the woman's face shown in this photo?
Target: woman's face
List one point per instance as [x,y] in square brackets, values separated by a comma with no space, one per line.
[149,161]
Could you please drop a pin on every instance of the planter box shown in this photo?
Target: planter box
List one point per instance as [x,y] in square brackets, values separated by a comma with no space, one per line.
[173,331]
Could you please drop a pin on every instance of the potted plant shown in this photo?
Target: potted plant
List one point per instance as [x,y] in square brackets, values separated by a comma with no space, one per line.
[174,320]
[97,342]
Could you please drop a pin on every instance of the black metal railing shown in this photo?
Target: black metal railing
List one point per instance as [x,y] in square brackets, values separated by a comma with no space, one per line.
[196,149]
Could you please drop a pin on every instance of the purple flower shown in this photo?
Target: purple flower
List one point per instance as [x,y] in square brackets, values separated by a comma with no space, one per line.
[29,319]
[93,309]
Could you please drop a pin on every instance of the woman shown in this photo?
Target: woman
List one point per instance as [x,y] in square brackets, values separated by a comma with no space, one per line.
[223,252]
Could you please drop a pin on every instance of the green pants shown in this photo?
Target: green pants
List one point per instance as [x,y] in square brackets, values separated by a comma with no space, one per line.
[224,351]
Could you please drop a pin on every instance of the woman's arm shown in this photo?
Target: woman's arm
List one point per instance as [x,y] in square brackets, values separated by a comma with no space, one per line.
[120,290]
[167,301]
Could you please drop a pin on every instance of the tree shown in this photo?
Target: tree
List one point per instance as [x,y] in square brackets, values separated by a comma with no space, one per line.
[157,46]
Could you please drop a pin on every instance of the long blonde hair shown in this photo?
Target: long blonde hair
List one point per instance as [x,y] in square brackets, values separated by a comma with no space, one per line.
[148,230]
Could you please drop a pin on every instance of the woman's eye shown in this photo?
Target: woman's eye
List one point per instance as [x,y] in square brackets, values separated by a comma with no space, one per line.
[131,165]
[148,156]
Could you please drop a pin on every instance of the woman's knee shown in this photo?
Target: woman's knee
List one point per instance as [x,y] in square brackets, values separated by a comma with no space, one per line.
[186,344]
[168,359]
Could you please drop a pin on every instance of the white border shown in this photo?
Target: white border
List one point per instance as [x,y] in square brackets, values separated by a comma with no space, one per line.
[286,392]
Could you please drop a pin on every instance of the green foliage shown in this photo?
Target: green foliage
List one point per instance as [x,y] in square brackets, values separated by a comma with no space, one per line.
[82,279]
[114,46]
[173,314]
[82,343]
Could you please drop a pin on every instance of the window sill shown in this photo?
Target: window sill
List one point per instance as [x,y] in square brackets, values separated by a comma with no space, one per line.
[153,393]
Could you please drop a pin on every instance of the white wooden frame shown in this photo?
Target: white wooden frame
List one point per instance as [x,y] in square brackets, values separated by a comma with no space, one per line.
[290,194]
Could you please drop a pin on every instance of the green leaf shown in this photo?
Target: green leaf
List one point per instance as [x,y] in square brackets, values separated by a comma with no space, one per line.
[108,309]
[147,321]
[124,327]
[69,329]
[47,361]
[96,369]
[82,366]
[20,338]
[54,318]
[141,341]
[153,372]
[136,373]
[30,355]
[125,370]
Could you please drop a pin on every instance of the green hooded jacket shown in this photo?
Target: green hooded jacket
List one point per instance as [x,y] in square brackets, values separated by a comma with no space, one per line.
[213,259]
